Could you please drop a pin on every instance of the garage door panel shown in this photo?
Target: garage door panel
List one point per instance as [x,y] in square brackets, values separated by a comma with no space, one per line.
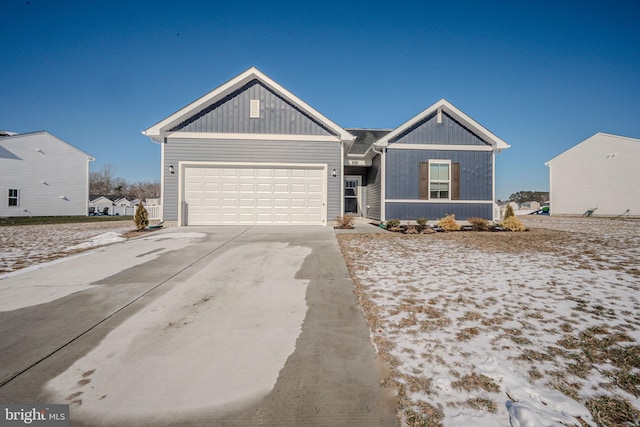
[254,195]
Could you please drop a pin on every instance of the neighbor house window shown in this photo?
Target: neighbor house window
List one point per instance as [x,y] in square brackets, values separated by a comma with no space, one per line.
[440,179]
[14,197]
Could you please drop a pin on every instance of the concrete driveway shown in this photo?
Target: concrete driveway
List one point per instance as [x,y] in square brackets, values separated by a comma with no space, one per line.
[195,326]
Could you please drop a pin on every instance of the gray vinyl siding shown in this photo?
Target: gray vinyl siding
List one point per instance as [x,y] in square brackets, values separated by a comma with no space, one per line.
[204,150]
[374,186]
[449,132]
[231,115]
[433,211]
[403,172]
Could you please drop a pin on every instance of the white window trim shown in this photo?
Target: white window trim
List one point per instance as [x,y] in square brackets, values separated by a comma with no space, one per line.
[448,181]
[254,109]
[17,197]
[358,179]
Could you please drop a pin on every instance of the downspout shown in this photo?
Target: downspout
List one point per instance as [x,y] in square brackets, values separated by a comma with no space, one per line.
[494,206]
[341,183]
[382,182]
[162,201]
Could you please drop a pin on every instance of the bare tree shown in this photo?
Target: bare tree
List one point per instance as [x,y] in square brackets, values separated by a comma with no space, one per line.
[143,190]
[103,180]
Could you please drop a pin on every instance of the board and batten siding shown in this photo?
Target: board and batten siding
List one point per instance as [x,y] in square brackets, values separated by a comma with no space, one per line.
[52,177]
[449,132]
[403,172]
[433,211]
[250,151]
[601,172]
[232,115]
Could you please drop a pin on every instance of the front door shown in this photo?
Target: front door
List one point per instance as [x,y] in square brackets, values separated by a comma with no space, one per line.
[352,203]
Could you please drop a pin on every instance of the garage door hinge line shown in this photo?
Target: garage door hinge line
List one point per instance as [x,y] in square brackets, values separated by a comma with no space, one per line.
[16,375]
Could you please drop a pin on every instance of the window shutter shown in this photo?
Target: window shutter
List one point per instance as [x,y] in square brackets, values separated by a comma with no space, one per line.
[424,180]
[455,181]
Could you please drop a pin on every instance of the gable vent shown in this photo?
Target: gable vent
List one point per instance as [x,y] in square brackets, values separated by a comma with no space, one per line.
[254,109]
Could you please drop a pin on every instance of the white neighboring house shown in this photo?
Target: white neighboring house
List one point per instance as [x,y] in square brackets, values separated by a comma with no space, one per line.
[98,204]
[122,202]
[600,173]
[41,175]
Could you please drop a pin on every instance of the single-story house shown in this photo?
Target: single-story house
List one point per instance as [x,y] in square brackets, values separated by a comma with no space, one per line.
[42,175]
[599,175]
[99,203]
[122,201]
[251,152]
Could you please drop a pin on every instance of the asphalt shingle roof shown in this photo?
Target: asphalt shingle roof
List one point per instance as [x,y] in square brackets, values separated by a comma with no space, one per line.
[365,139]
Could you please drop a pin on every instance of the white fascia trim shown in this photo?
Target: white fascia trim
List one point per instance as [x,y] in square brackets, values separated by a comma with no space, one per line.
[444,105]
[237,82]
[440,201]
[402,146]
[359,162]
[252,136]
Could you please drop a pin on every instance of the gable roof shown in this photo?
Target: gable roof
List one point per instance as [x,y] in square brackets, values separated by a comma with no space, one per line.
[162,128]
[16,136]
[94,197]
[453,111]
[598,138]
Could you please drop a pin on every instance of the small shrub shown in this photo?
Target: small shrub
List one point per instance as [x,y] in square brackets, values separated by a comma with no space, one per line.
[513,224]
[345,221]
[141,218]
[421,221]
[449,223]
[508,212]
[411,230]
[391,223]
[479,224]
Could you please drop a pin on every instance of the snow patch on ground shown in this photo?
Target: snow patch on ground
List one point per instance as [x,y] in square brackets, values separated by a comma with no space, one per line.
[490,338]
[34,285]
[27,245]
[99,240]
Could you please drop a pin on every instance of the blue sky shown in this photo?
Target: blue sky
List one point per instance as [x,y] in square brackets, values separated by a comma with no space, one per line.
[541,75]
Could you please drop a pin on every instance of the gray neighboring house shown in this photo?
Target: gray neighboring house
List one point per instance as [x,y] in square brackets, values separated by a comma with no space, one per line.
[251,152]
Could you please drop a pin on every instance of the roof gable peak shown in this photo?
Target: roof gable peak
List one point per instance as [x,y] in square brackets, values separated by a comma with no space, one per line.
[445,106]
[162,128]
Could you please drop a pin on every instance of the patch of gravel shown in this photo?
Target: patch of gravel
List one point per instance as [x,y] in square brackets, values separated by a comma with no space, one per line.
[26,245]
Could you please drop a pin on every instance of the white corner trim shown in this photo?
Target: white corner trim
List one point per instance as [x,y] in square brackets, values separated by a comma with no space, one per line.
[441,201]
[252,136]
[402,146]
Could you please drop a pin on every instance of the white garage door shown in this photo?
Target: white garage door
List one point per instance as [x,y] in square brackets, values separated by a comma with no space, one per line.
[254,195]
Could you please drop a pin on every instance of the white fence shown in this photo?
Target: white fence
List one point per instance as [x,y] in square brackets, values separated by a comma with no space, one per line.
[154,212]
